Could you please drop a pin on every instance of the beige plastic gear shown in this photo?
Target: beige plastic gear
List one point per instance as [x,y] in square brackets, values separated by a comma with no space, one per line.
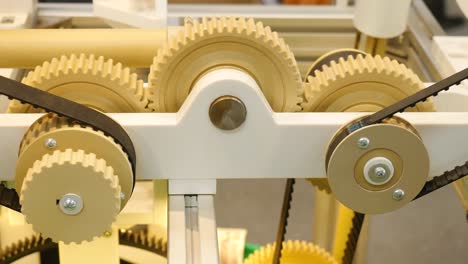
[89,80]
[70,172]
[225,43]
[65,133]
[361,84]
[294,252]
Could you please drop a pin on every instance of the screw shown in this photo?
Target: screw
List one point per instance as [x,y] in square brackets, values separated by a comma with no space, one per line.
[380,172]
[50,143]
[398,194]
[69,204]
[363,142]
[122,196]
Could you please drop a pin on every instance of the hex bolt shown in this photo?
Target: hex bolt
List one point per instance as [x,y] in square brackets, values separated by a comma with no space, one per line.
[50,143]
[398,194]
[363,143]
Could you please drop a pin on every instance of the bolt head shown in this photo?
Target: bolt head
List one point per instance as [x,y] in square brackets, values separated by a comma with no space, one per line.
[398,194]
[380,172]
[122,196]
[71,204]
[50,143]
[363,143]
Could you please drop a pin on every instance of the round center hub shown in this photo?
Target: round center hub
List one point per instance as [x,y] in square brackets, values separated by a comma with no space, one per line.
[378,171]
[227,112]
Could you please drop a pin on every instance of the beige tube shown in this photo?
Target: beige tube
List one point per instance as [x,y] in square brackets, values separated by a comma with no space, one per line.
[27,48]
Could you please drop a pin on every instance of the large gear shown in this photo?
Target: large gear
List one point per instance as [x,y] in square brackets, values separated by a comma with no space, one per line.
[89,80]
[227,43]
[52,162]
[294,252]
[361,84]
[70,172]
[358,83]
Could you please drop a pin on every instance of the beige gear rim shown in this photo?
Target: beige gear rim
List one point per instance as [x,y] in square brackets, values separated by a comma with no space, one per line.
[294,252]
[228,43]
[348,86]
[361,84]
[89,80]
[65,133]
[75,172]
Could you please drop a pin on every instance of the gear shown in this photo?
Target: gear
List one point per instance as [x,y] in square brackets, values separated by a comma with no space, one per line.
[330,56]
[52,162]
[89,80]
[64,133]
[37,243]
[361,84]
[294,252]
[64,173]
[228,43]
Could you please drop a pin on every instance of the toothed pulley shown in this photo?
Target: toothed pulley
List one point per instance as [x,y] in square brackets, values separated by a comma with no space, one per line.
[72,180]
[215,43]
[378,168]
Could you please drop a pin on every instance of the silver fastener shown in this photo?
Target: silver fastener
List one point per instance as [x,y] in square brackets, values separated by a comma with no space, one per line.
[50,143]
[380,172]
[398,194]
[122,196]
[363,142]
[71,204]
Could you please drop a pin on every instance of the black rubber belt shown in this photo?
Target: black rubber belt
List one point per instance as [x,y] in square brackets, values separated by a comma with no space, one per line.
[63,107]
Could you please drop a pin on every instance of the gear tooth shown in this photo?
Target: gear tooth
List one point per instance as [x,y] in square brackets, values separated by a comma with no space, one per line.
[332,77]
[247,30]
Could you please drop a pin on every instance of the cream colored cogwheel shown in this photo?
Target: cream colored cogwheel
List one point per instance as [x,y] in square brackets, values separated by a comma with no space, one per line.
[89,80]
[52,161]
[294,252]
[70,196]
[237,43]
[359,83]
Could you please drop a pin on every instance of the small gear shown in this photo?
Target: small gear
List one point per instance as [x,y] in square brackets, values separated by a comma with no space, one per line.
[294,252]
[62,132]
[61,174]
[94,170]
[89,80]
[227,43]
[361,84]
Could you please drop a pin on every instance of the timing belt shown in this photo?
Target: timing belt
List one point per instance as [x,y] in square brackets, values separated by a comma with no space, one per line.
[62,107]
[435,183]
